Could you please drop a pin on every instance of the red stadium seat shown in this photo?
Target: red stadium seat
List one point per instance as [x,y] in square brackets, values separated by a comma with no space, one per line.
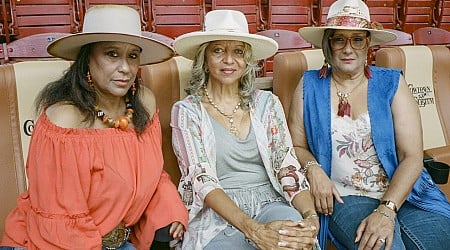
[415,14]
[442,10]
[431,35]
[33,17]
[174,18]
[289,14]
[287,41]
[30,47]
[384,12]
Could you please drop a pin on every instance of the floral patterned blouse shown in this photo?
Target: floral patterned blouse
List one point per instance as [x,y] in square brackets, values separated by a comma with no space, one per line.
[194,143]
[356,170]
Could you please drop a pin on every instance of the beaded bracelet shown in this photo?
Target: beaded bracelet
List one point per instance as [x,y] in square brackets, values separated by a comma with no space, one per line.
[385,214]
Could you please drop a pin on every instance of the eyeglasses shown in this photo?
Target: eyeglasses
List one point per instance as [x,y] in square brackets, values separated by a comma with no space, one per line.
[356,42]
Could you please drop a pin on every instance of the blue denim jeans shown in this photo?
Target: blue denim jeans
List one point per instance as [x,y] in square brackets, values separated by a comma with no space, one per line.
[414,227]
[232,238]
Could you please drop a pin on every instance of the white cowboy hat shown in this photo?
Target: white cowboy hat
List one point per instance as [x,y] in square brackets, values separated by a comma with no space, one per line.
[114,23]
[348,15]
[225,25]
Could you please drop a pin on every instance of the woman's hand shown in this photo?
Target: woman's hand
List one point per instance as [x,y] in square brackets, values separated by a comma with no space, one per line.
[176,230]
[285,235]
[322,190]
[376,230]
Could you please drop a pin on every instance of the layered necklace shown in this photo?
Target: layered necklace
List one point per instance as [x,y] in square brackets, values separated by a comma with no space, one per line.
[230,117]
[344,107]
[122,121]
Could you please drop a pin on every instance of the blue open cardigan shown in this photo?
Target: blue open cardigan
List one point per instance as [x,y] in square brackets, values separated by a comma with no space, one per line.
[381,90]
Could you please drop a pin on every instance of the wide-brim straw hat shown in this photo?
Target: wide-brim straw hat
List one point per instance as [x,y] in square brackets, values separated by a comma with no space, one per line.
[225,25]
[111,23]
[348,15]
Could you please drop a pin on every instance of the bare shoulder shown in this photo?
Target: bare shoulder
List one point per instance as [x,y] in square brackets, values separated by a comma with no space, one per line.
[65,115]
[148,99]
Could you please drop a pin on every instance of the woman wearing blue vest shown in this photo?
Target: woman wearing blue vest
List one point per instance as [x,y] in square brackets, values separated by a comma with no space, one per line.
[351,126]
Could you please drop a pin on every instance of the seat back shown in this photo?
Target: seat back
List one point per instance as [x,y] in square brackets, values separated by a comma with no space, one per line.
[30,47]
[289,14]
[431,35]
[384,12]
[414,14]
[288,69]
[34,17]
[19,85]
[174,18]
[287,41]
[426,70]
[168,80]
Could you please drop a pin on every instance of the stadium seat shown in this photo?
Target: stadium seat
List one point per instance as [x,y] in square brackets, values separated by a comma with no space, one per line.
[31,47]
[442,10]
[384,12]
[174,18]
[426,71]
[289,14]
[19,84]
[414,14]
[287,41]
[430,36]
[34,17]
[168,80]
[288,69]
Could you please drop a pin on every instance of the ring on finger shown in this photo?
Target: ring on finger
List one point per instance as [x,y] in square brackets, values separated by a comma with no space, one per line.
[382,240]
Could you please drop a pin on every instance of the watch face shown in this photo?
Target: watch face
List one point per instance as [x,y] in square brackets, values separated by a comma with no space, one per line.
[390,205]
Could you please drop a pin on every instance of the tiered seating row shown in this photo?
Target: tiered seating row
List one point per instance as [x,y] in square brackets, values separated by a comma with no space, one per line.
[19,19]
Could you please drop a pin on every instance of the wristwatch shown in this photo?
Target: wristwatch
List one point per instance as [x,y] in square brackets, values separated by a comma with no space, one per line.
[390,204]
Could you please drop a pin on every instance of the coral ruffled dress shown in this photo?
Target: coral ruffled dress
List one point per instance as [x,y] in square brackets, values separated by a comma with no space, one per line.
[84,182]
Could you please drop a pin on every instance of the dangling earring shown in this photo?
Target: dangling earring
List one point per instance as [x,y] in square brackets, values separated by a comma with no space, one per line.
[367,71]
[323,73]
[133,89]
[89,79]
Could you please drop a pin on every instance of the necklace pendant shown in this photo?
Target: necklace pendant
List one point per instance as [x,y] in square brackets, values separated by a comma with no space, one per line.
[343,109]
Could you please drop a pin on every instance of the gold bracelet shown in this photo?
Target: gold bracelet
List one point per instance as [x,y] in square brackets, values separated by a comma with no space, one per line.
[308,165]
[309,214]
[385,214]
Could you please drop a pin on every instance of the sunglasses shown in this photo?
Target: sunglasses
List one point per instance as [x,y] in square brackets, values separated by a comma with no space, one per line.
[356,42]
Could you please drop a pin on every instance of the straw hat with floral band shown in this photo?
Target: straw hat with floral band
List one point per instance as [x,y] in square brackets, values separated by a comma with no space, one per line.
[225,25]
[112,23]
[348,15]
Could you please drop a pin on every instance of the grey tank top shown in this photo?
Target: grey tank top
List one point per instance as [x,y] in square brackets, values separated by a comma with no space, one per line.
[239,164]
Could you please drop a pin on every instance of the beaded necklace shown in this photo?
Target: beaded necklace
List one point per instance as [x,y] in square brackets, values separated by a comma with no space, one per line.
[230,117]
[121,121]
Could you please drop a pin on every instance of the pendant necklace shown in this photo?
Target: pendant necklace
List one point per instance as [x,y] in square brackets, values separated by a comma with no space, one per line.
[344,107]
[230,117]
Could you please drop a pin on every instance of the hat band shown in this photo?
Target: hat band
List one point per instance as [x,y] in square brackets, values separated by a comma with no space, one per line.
[348,21]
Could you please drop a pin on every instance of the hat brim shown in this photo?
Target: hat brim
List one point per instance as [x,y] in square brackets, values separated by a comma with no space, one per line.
[314,35]
[187,45]
[68,47]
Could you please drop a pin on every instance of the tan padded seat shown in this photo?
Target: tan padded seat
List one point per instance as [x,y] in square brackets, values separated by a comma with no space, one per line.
[19,85]
[426,69]
[288,69]
[168,80]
